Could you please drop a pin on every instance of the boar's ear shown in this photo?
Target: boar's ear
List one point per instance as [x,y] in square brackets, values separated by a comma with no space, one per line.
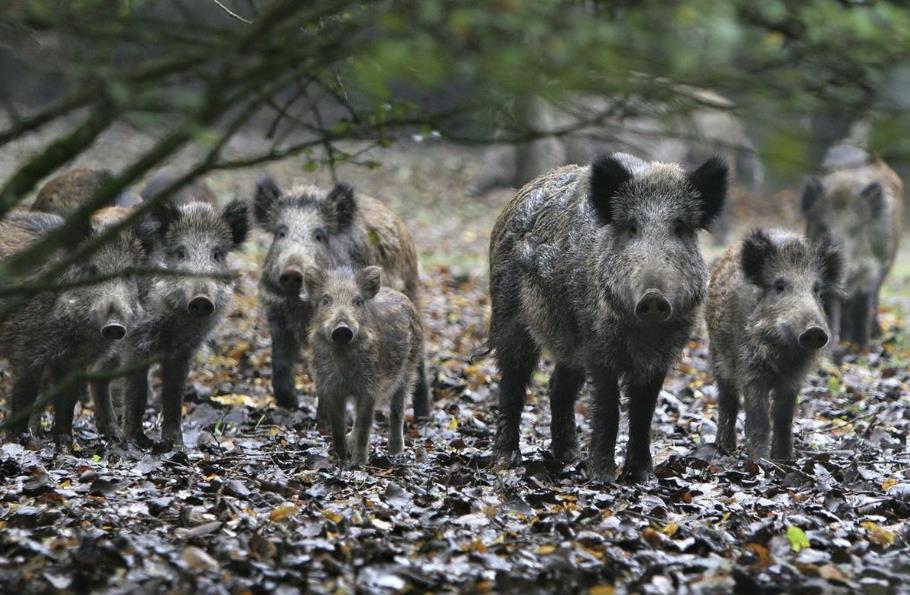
[369,280]
[710,181]
[757,249]
[812,191]
[267,195]
[313,280]
[340,207]
[607,176]
[874,197]
[830,260]
[235,215]
[163,216]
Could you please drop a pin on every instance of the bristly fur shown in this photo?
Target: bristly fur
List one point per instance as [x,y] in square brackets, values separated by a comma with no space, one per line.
[757,249]
[710,182]
[607,177]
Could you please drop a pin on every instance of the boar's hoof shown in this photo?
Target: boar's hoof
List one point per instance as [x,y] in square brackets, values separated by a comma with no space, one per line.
[64,443]
[141,440]
[506,459]
[601,472]
[286,400]
[564,454]
[636,474]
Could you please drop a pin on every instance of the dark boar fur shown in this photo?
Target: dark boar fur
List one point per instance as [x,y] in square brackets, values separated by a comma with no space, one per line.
[56,333]
[766,325]
[197,191]
[180,311]
[64,193]
[366,342]
[325,230]
[859,207]
[600,266]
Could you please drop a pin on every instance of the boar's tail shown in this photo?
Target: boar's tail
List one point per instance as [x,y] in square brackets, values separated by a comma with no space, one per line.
[481,352]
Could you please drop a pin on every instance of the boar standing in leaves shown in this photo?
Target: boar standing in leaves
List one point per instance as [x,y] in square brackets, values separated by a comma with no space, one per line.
[767,325]
[859,207]
[366,342]
[313,229]
[55,333]
[600,266]
[180,311]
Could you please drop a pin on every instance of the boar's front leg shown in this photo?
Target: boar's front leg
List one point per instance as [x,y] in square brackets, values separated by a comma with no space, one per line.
[643,395]
[22,400]
[784,405]
[174,371]
[105,419]
[565,383]
[605,421]
[284,353]
[861,319]
[758,425]
[727,410]
[396,420]
[363,423]
[332,408]
[137,391]
[64,411]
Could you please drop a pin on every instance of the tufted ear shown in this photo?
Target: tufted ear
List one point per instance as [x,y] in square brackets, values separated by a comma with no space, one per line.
[267,195]
[710,182]
[757,250]
[830,261]
[607,177]
[340,207]
[163,216]
[812,191]
[313,280]
[874,196]
[235,215]
[369,280]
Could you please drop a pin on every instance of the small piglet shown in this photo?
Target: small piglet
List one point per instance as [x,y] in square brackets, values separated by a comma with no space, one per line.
[365,343]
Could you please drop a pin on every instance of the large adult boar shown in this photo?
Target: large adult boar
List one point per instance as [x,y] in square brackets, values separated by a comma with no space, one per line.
[326,230]
[858,205]
[767,325]
[600,266]
[55,333]
[180,310]
[366,342]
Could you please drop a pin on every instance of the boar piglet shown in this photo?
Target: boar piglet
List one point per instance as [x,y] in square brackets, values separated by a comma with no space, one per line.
[600,266]
[766,324]
[365,342]
[56,333]
[859,207]
[180,310]
[314,228]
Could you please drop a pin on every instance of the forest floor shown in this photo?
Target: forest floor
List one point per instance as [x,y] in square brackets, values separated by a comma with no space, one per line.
[254,503]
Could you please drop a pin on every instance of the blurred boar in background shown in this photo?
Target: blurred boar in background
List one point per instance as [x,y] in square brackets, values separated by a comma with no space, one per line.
[366,343]
[312,228]
[57,332]
[599,265]
[766,325]
[199,190]
[858,203]
[180,310]
[63,194]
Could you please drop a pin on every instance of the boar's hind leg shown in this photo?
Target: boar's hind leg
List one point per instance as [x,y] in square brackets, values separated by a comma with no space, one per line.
[564,386]
[421,397]
[284,352]
[173,379]
[605,421]
[643,395]
[728,408]
[784,405]
[396,420]
[137,392]
[758,426]
[517,355]
[862,317]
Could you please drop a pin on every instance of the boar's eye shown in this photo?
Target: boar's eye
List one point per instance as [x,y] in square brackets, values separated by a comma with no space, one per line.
[780,286]
[680,228]
[180,253]
[217,254]
[92,270]
[325,301]
[281,233]
[817,288]
[632,229]
[358,301]
[319,236]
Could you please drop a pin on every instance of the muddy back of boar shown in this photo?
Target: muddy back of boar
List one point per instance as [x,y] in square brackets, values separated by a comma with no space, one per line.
[858,204]
[600,266]
[767,325]
[311,227]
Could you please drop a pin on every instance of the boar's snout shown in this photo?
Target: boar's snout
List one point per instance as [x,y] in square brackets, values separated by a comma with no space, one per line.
[113,331]
[201,306]
[653,306]
[342,334]
[291,279]
[813,337]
